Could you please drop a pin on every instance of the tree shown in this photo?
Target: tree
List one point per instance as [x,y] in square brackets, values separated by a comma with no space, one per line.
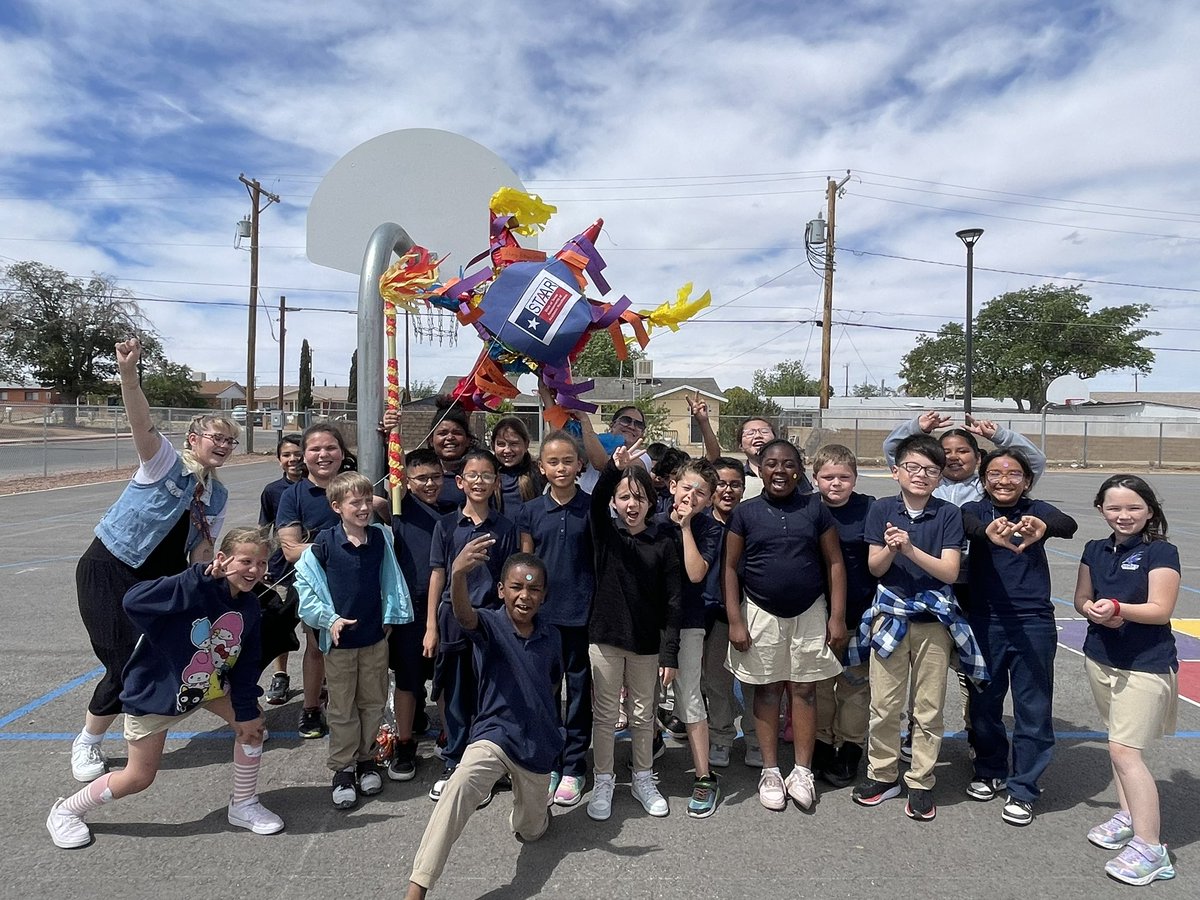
[868,389]
[1025,339]
[352,390]
[304,396]
[420,389]
[599,359]
[655,415]
[60,331]
[741,404]
[171,384]
[786,379]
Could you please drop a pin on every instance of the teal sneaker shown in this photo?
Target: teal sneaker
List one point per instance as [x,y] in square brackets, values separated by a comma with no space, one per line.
[706,794]
[555,779]
[1113,834]
[1140,863]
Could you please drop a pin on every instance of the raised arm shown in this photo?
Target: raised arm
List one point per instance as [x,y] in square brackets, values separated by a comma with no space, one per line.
[472,556]
[146,439]
[699,410]
[924,423]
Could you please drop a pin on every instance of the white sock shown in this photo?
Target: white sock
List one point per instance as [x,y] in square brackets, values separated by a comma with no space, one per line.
[774,770]
[86,737]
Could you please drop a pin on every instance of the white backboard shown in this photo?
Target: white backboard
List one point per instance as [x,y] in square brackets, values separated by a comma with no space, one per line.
[1067,387]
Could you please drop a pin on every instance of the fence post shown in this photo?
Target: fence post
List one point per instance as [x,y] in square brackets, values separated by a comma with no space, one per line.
[856,437]
[1160,443]
[45,446]
[1085,435]
[116,442]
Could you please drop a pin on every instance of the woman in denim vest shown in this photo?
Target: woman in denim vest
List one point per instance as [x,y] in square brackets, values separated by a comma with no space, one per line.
[166,518]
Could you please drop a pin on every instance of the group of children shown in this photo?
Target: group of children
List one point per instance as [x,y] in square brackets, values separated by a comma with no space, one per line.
[547,618]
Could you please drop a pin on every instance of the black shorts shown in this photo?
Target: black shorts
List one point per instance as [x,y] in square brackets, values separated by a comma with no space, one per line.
[101,581]
[279,620]
[405,658]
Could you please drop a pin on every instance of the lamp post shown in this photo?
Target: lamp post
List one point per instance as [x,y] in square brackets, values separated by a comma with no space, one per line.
[969,236]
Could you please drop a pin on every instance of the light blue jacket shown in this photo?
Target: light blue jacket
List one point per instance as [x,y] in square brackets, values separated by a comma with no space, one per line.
[145,513]
[316,602]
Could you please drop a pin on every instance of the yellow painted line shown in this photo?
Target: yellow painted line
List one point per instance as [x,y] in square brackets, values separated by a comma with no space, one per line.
[1187,626]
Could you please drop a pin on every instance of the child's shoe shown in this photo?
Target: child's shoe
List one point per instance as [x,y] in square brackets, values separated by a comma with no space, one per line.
[823,758]
[754,757]
[906,747]
[600,806]
[1017,812]
[872,792]
[844,769]
[771,790]
[312,724]
[67,830]
[370,782]
[87,761]
[252,815]
[718,756]
[920,806]
[645,791]
[706,794]
[435,792]
[403,765]
[344,794]
[1140,863]
[555,781]
[277,690]
[569,791]
[984,789]
[800,786]
[1113,834]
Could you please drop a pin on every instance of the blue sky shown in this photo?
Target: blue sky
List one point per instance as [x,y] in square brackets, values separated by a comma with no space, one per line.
[702,134]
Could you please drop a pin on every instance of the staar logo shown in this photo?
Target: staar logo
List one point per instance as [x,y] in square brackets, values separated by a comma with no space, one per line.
[543,307]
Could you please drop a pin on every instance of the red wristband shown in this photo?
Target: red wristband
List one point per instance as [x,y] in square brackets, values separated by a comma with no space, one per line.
[1116,608]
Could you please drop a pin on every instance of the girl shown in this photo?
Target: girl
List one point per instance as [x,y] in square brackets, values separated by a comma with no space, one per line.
[792,628]
[450,439]
[199,648]
[698,539]
[638,579]
[165,517]
[520,481]
[556,527]
[279,572]
[1127,588]
[1012,618]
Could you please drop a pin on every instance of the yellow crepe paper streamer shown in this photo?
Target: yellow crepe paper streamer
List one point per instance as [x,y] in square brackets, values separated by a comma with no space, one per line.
[670,315]
[528,209]
[409,278]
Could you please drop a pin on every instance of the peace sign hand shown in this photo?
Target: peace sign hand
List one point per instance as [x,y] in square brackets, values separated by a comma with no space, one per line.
[624,456]
[697,407]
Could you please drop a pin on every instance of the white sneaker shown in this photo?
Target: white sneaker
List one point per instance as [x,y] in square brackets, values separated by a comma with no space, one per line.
[253,815]
[87,761]
[799,786]
[67,830]
[771,791]
[645,791]
[718,757]
[600,806]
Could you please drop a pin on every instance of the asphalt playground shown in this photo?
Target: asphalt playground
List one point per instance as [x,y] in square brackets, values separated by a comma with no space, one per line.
[173,840]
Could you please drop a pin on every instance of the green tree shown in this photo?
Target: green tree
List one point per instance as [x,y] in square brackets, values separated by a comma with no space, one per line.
[655,415]
[352,389]
[868,389]
[599,359]
[786,379]
[171,384]
[740,404]
[60,331]
[418,390]
[1025,339]
[304,396]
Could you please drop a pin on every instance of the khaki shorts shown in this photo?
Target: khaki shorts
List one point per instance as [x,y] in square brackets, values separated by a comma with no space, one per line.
[138,727]
[784,649]
[1137,707]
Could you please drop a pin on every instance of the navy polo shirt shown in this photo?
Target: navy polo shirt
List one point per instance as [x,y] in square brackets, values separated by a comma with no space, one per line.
[562,538]
[451,495]
[518,677]
[352,572]
[413,530]
[306,505]
[1121,572]
[936,527]
[450,535]
[714,593]
[710,541]
[268,511]
[783,571]
[850,519]
[510,492]
[1005,584]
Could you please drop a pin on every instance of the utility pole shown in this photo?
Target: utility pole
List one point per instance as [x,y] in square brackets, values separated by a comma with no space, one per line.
[833,189]
[847,368]
[256,194]
[282,332]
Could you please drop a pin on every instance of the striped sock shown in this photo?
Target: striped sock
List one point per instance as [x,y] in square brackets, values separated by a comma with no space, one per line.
[89,797]
[246,760]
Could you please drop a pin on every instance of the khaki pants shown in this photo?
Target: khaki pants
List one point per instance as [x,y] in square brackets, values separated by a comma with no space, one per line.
[482,765]
[613,668]
[843,707]
[925,655]
[716,682]
[358,686]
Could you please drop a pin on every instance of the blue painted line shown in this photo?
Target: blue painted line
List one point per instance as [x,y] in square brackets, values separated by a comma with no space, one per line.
[35,562]
[54,694]
[223,734]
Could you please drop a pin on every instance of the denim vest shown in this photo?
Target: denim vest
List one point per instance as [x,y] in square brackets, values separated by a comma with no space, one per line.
[145,513]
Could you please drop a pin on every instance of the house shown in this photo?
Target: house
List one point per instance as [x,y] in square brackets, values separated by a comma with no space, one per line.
[328,400]
[220,394]
[15,394]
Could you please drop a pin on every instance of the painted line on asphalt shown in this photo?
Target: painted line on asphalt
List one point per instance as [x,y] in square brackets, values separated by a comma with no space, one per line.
[53,695]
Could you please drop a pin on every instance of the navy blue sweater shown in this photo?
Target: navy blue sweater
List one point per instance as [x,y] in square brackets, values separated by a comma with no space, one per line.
[198,643]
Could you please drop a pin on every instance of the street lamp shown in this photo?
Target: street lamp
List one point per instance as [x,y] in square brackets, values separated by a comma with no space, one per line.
[969,236]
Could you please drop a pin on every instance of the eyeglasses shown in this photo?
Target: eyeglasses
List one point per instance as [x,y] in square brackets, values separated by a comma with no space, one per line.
[485,477]
[913,468]
[1005,477]
[426,479]
[751,432]
[630,422]
[219,440]
[731,485]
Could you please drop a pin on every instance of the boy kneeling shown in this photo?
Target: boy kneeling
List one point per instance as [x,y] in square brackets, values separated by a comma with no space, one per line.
[517,731]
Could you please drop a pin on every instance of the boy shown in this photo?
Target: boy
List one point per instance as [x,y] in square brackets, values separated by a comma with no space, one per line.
[413,529]
[516,731]
[454,674]
[351,592]
[842,702]
[914,543]
[279,621]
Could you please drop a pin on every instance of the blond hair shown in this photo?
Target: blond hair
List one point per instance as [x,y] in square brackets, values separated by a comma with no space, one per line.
[834,455]
[200,424]
[349,484]
[260,536]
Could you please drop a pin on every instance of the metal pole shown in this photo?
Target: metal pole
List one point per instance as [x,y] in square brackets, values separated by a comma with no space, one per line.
[116,442]
[387,239]
[45,446]
[1085,443]
[1160,443]
[856,437]
[969,331]
[282,332]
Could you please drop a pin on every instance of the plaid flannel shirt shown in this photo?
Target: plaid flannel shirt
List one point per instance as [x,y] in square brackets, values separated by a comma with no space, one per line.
[896,611]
